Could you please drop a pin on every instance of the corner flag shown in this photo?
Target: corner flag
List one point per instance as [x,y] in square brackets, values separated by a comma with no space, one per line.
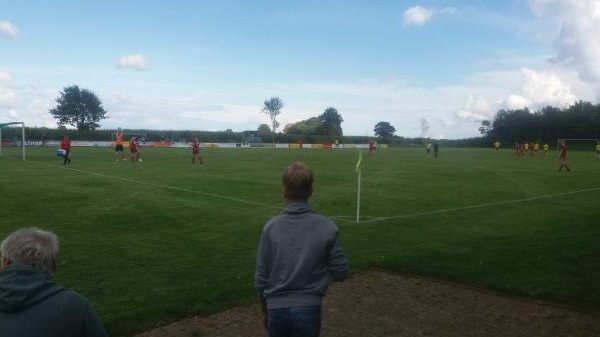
[358,186]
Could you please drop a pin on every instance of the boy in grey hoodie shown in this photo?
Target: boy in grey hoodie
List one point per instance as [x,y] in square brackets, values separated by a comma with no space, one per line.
[299,250]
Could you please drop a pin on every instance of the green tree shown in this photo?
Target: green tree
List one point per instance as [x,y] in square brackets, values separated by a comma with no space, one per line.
[486,128]
[331,123]
[305,127]
[384,130]
[263,130]
[78,107]
[272,107]
[580,120]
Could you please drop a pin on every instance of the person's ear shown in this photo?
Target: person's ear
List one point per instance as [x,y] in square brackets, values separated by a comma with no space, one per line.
[4,262]
[284,191]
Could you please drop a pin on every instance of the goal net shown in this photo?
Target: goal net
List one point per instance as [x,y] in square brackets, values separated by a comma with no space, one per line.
[579,144]
[12,140]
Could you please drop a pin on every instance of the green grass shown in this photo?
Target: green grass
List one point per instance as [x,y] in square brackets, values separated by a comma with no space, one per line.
[157,241]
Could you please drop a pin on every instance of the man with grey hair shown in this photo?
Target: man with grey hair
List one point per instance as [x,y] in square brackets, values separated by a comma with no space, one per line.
[32,304]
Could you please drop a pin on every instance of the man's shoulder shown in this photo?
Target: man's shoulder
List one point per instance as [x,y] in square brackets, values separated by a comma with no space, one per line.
[308,217]
[69,298]
[300,210]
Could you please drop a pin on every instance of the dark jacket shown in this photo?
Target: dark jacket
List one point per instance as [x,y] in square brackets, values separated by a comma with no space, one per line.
[32,304]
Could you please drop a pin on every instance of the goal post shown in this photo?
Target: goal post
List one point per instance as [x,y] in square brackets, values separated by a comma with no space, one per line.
[583,144]
[16,144]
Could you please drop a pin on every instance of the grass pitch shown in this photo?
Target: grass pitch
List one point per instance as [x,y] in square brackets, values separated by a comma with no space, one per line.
[153,242]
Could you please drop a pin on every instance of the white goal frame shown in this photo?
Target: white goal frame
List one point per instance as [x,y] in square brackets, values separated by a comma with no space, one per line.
[597,140]
[22,135]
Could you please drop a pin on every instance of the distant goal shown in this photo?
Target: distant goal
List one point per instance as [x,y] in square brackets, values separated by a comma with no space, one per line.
[580,144]
[12,139]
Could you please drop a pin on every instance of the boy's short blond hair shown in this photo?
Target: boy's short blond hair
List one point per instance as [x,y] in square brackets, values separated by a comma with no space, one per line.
[297,179]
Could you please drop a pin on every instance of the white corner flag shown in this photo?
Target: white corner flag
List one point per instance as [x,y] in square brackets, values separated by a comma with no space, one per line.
[358,189]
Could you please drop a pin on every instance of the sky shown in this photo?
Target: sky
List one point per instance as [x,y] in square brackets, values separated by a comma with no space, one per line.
[432,68]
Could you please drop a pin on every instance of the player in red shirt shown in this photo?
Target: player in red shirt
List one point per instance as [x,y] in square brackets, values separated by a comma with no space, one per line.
[196,151]
[531,147]
[133,148]
[371,147]
[65,144]
[563,156]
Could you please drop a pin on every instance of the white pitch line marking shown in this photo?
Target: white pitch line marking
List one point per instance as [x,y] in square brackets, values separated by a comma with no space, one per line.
[214,195]
[447,210]
[340,218]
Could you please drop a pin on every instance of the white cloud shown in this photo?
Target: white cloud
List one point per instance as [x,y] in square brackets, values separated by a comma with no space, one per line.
[448,122]
[417,16]
[577,44]
[543,89]
[7,98]
[7,92]
[572,74]
[29,104]
[136,62]
[8,30]
[476,109]
[538,89]
[5,76]
[514,102]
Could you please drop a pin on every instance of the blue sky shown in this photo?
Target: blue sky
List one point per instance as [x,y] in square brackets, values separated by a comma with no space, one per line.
[209,65]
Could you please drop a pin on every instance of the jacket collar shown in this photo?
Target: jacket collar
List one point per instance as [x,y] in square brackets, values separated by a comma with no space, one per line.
[295,207]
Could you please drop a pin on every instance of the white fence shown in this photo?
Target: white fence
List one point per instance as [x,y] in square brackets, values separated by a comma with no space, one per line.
[80,143]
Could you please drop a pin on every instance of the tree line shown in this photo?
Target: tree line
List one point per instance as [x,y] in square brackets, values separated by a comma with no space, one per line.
[55,134]
[227,136]
[581,120]
[81,108]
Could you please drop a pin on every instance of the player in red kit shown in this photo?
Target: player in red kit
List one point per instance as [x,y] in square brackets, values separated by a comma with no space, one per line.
[371,147]
[65,144]
[563,156]
[133,148]
[196,151]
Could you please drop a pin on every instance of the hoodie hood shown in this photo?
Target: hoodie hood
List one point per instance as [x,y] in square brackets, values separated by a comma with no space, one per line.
[22,287]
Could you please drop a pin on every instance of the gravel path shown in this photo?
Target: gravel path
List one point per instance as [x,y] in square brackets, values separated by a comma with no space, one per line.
[377,303]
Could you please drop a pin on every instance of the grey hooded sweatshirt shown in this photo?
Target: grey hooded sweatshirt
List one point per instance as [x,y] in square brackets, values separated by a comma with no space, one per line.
[299,250]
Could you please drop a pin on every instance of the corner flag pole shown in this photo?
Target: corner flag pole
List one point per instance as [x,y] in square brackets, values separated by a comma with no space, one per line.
[23,138]
[358,170]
